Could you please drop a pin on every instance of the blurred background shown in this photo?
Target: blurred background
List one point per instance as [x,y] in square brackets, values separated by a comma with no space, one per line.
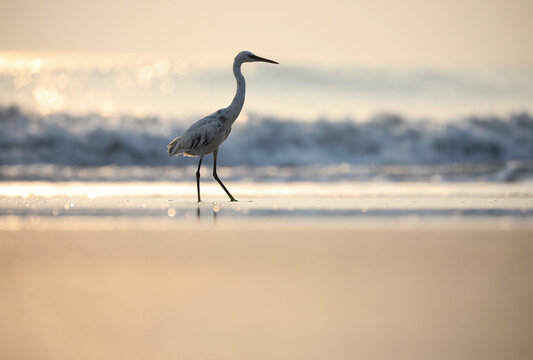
[414,90]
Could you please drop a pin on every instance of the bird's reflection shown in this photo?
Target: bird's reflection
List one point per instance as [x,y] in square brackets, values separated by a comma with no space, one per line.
[214,213]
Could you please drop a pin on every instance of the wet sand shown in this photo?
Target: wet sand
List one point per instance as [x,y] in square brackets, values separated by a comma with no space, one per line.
[280,275]
[262,293]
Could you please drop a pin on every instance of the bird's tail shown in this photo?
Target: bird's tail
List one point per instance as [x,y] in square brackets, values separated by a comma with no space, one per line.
[172,147]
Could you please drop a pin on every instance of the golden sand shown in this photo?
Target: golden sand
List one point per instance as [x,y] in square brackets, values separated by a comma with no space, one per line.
[266,291]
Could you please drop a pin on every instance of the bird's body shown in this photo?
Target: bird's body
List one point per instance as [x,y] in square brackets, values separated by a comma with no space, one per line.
[205,136]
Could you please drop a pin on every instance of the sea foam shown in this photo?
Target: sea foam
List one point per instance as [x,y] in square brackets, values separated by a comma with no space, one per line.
[383,140]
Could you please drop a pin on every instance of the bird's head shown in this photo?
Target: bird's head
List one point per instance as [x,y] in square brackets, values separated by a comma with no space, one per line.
[246,56]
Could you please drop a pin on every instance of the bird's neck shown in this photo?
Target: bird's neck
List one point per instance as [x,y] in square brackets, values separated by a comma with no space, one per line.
[238,101]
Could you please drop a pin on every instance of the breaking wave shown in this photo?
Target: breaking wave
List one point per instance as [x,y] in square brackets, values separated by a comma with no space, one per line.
[384,140]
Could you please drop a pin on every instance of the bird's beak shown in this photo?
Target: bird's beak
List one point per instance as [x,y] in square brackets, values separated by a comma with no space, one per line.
[258,58]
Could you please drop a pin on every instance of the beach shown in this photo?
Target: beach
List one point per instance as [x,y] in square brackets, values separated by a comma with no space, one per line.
[381,154]
[267,292]
[291,271]
[383,213]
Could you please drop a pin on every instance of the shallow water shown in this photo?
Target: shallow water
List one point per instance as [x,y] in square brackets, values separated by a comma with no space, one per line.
[349,202]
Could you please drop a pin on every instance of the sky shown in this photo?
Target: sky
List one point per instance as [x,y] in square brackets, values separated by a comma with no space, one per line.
[409,33]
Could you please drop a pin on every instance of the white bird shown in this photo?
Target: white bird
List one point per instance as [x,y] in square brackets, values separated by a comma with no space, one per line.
[205,136]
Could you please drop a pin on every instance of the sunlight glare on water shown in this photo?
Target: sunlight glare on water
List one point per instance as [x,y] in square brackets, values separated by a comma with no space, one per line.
[158,85]
[332,190]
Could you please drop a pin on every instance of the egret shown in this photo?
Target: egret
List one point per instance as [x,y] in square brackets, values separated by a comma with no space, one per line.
[205,136]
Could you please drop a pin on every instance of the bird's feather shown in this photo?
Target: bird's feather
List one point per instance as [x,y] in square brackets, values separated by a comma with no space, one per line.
[202,137]
[171,148]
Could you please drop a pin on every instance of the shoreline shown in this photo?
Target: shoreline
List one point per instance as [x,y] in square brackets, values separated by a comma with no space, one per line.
[359,205]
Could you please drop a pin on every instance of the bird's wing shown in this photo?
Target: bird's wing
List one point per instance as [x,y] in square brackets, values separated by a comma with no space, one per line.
[200,134]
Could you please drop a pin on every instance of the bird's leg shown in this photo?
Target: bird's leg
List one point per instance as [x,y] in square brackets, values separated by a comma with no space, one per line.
[215,153]
[198,178]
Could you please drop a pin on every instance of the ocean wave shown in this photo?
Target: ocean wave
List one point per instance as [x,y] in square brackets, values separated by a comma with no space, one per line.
[387,139]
